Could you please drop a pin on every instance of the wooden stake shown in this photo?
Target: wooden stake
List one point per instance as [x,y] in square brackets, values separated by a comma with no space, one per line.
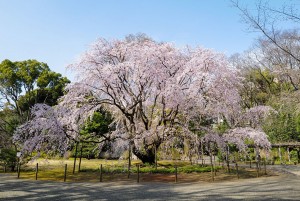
[211,164]
[36,171]
[19,169]
[80,159]
[138,173]
[237,170]
[101,173]
[65,176]
[176,174]
[215,172]
[202,154]
[155,149]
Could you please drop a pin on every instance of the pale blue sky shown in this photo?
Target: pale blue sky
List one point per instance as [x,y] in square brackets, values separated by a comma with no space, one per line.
[58,31]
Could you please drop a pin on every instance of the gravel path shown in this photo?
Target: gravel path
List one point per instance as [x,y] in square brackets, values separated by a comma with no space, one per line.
[287,169]
[284,187]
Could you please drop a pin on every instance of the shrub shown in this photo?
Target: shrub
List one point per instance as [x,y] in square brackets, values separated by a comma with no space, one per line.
[9,158]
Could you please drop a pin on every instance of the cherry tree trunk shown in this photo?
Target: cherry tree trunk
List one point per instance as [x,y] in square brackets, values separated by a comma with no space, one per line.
[146,155]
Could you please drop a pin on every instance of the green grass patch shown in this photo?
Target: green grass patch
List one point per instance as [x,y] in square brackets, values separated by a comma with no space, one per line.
[117,170]
[168,169]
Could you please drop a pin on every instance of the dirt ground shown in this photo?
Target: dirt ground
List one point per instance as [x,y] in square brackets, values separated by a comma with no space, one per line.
[283,187]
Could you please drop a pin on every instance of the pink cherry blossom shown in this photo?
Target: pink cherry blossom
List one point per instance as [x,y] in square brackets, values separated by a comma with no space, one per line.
[152,89]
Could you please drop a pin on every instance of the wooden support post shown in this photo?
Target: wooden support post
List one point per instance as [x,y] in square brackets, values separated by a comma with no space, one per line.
[202,154]
[36,171]
[100,172]
[212,173]
[257,169]
[19,170]
[79,166]
[138,173]
[237,170]
[155,149]
[212,166]
[176,174]
[228,166]
[65,176]
[215,172]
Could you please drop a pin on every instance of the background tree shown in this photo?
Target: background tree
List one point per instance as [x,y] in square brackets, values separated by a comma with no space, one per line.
[264,84]
[95,128]
[271,69]
[281,45]
[285,126]
[267,19]
[23,84]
